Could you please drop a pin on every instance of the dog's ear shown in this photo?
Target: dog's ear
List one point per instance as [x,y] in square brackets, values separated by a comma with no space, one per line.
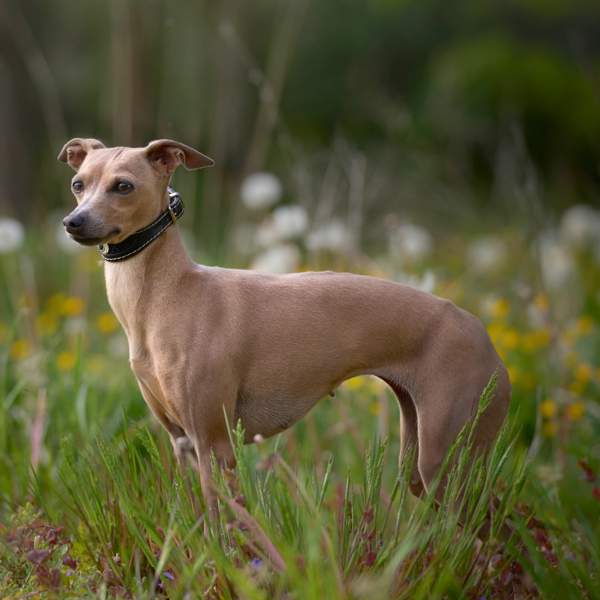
[166,155]
[74,151]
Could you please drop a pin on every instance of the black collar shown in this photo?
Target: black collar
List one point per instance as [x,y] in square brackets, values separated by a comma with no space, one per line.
[137,241]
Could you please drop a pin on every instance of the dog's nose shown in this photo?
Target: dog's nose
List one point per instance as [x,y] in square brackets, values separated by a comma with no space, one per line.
[73,221]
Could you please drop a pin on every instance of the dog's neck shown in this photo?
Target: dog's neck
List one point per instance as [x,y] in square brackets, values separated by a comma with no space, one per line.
[135,284]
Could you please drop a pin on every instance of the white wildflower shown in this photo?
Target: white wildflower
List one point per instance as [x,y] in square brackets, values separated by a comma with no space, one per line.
[290,221]
[426,283]
[333,236]
[282,258]
[556,262]
[580,226]
[260,191]
[486,254]
[286,223]
[409,241]
[75,325]
[12,235]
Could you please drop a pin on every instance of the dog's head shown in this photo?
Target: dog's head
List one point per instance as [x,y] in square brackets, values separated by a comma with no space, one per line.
[121,190]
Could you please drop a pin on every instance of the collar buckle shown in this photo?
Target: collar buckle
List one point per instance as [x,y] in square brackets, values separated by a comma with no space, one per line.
[172,213]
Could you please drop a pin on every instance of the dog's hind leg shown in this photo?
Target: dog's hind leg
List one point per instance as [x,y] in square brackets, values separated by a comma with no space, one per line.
[409,438]
[444,409]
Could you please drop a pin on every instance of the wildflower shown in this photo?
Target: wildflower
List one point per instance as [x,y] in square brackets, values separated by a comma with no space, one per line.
[584,325]
[286,223]
[426,283]
[575,411]
[20,349]
[72,306]
[12,235]
[410,241]
[486,254]
[580,226]
[556,262]
[549,428]
[333,236]
[375,408]
[55,303]
[282,258]
[65,361]
[356,383]
[583,373]
[260,191]
[535,340]
[514,374]
[106,323]
[510,339]
[46,323]
[75,326]
[548,408]
[498,308]
[290,221]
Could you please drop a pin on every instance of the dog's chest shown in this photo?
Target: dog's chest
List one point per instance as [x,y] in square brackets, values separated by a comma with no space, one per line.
[157,392]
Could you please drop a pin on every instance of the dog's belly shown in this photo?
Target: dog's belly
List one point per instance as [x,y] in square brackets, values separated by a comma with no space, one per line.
[270,414]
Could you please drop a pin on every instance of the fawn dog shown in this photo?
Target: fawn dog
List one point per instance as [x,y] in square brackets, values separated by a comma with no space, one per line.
[209,344]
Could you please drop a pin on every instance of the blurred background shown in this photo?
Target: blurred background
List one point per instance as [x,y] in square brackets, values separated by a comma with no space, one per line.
[454,146]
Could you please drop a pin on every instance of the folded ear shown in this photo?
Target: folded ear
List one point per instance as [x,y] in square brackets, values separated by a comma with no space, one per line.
[74,151]
[166,155]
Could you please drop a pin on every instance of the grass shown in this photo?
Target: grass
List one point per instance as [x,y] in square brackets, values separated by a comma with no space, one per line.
[92,504]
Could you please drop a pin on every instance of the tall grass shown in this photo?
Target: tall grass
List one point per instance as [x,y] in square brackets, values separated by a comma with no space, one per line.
[287,529]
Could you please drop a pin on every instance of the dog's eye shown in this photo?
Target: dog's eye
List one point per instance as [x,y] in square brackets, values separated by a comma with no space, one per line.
[77,186]
[124,187]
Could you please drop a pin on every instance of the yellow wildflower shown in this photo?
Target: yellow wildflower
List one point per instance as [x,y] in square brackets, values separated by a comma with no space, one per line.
[514,374]
[55,303]
[106,323]
[47,323]
[20,349]
[510,339]
[535,339]
[495,332]
[548,408]
[356,383]
[540,301]
[583,373]
[500,308]
[72,306]
[375,408]
[65,361]
[575,411]
[550,428]
[584,325]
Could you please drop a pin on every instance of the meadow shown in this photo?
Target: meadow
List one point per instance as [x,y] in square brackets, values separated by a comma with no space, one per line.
[92,504]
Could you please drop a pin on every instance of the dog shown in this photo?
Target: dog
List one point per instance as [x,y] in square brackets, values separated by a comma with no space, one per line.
[210,345]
